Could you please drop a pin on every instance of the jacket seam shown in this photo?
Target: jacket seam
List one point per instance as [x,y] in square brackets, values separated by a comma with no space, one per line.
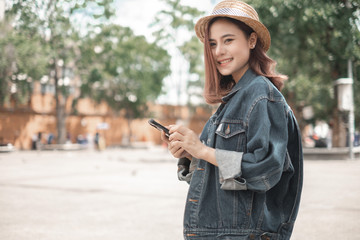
[256,101]
[270,86]
[265,178]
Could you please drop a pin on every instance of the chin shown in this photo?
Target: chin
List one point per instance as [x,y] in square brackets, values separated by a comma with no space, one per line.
[226,73]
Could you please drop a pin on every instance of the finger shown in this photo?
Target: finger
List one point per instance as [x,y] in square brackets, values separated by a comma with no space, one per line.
[164,137]
[181,129]
[173,128]
[176,136]
[179,153]
[174,151]
[174,146]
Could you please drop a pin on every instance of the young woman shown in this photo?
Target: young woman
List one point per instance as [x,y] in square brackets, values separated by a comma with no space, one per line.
[245,174]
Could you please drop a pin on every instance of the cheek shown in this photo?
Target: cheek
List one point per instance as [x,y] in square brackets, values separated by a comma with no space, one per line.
[244,53]
[213,52]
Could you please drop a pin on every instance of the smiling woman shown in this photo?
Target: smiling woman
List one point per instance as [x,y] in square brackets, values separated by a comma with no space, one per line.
[245,173]
[240,40]
[230,48]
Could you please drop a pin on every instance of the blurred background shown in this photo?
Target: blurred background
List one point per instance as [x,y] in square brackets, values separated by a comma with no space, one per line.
[75,71]
[80,78]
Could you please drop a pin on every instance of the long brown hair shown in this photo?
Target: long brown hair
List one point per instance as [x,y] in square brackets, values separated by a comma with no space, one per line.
[217,85]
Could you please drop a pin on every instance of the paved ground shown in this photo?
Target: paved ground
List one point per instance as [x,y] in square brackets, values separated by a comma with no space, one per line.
[135,195]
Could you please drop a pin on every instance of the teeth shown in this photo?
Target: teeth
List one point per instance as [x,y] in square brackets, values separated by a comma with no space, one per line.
[225,61]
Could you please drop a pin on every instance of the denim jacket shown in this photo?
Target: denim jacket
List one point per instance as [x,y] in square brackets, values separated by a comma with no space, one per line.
[254,193]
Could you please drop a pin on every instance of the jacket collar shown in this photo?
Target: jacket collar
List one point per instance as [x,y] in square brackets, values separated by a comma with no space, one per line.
[244,80]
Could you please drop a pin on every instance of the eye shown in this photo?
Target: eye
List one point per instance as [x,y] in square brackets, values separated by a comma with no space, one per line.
[228,40]
[212,44]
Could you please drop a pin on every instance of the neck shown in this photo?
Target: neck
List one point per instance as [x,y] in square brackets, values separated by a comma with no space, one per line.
[238,75]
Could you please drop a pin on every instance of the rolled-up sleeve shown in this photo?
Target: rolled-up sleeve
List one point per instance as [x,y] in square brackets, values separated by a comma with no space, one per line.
[267,136]
[186,169]
[260,167]
[229,163]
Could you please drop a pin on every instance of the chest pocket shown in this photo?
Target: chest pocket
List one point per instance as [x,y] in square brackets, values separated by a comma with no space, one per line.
[230,136]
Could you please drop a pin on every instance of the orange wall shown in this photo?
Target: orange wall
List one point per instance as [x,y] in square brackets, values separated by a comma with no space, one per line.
[19,125]
[18,128]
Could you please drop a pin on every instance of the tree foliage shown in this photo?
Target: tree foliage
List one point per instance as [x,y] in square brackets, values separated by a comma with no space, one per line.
[53,21]
[169,22]
[16,71]
[174,28]
[123,69]
[63,42]
[312,42]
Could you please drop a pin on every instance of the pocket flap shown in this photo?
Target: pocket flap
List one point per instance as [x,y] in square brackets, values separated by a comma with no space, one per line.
[228,130]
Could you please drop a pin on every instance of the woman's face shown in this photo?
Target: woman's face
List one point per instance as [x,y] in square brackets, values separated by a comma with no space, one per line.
[230,48]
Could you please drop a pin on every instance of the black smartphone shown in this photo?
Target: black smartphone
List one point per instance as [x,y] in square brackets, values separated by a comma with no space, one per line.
[159,127]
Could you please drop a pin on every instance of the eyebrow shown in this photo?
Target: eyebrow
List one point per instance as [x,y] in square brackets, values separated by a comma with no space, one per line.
[224,36]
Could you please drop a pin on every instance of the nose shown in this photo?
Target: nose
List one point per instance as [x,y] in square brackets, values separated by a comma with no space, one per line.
[219,50]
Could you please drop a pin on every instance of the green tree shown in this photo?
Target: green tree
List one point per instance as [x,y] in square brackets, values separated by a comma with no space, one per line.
[16,71]
[126,71]
[171,25]
[55,21]
[312,42]
[193,52]
[78,47]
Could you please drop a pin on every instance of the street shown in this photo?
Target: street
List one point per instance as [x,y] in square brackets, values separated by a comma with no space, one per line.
[134,194]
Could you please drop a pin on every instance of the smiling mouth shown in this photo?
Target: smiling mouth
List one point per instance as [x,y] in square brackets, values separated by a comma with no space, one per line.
[223,62]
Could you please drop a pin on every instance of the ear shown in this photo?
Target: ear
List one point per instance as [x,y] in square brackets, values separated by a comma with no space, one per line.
[252,40]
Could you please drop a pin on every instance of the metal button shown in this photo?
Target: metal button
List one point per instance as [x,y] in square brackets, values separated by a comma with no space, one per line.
[264,237]
[227,131]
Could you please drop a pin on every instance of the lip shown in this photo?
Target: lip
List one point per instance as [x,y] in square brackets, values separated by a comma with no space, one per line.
[224,62]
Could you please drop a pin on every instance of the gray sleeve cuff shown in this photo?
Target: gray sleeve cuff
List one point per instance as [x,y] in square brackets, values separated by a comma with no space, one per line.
[188,176]
[229,163]
[183,177]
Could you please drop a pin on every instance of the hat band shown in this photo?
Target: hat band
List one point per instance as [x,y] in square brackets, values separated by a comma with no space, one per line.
[230,11]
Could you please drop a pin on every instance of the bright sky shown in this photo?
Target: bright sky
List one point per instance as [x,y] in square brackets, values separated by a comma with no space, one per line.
[138,14]
[2,9]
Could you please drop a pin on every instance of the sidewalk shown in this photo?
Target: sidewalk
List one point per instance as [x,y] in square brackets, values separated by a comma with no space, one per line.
[134,194]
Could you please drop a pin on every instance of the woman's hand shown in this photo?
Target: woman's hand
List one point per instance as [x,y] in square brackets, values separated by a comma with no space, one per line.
[175,150]
[183,142]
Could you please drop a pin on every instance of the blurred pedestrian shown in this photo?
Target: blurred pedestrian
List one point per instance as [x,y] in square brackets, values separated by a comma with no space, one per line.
[34,139]
[68,138]
[50,138]
[245,173]
[96,140]
[39,143]
[99,142]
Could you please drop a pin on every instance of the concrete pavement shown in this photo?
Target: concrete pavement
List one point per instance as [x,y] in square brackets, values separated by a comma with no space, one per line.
[134,194]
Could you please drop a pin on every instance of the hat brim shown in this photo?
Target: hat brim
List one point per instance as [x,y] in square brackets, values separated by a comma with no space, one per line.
[262,32]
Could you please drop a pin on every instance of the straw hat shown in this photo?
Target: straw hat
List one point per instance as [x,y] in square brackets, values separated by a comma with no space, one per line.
[237,10]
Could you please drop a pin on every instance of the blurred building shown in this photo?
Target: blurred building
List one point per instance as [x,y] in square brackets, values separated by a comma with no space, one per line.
[20,125]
